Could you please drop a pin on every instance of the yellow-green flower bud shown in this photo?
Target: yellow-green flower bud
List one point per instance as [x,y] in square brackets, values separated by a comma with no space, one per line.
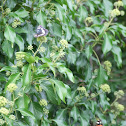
[113,122]
[105,88]
[114,13]
[122,13]
[52,54]
[3,101]
[12,117]
[89,19]
[42,39]
[46,111]
[82,89]
[38,88]
[2,122]
[7,10]
[107,64]
[119,3]
[120,107]
[4,111]
[14,24]
[93,95]
[64,43]
[30,47]
[11,103]
[19,56]
[19,63]
[8,73]
[12,87]
[42,49]
[61,53]
[119,93]
[43,102]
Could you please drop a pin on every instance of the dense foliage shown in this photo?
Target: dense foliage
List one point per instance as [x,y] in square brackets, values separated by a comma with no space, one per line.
[74,76]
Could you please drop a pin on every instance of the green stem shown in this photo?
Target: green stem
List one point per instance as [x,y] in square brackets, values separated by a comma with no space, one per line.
[38,49]
[97,57]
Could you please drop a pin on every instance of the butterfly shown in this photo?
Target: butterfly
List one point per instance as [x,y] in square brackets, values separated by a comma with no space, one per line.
[41,32]
[99,123]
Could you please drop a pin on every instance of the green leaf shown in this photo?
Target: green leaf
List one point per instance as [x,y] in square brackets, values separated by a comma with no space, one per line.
[50,92]
[88,52]
[36,109]
[22,13]
[27,75]
[7,48]
[60,117]
[82,13]
[9,34]
[20,42]
[101,77]
[107,44]
[70,4]
[75,113]
[23,102]
[41,18]
[8,68]
[108,6]
[26,112]
[64,70]
[57,29]
[60,89]
[117,55]
[29,58]
[12,79]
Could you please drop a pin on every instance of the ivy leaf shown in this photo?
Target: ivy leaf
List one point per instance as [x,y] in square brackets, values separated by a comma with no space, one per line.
[88,52]
[9,34]
[41,18]
[107,44]
[7,48]
[26,112]
[101,77]
[20,42]
[60,89]
[36,109]
[82,13]
[22,13]
[27,75]
[23,102]
[108,6]
[75,113]
[117,55]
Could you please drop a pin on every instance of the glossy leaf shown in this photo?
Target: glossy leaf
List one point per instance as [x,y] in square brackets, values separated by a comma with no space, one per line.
[22,13]
[107,44]
[27,75]
[9,34]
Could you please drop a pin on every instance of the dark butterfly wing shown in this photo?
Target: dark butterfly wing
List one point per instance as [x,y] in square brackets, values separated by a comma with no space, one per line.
[41,31]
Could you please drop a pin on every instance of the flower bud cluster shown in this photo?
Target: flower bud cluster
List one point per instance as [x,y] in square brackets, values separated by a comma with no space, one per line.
[89,20]
[38,88]
[107,66]
[43,102]
[2,121]
[46,111]
[12,117]
[42,39]
[93,95]
[119,93]
[116,12]
[118,4]
[19,63]
[119,107]
[7,10]
[64,43]
[82,89]
[12,87]
[4,111]
[105,88]
[42,49]
[19,58]
[3,101]
[30,47]
[16,23]
[8,73]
